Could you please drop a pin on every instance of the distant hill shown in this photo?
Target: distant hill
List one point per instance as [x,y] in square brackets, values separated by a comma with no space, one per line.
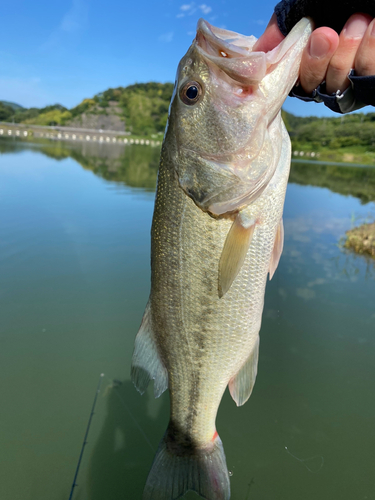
[6,112]
[141,109]
[12,105]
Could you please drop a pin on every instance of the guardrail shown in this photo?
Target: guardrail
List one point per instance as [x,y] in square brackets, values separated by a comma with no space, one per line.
[22,131]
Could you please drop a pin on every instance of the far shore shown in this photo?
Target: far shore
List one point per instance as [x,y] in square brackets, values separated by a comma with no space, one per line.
[300,154]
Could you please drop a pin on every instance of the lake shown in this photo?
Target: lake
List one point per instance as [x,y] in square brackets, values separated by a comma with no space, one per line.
[75,276]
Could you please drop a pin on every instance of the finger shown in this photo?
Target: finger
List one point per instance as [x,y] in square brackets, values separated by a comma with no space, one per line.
[270,38]
[342,60]
[316,57]
[364,63]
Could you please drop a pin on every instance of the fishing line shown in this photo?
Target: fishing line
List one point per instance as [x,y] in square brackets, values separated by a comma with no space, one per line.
[131,415]
[306,460]
[86,435]
[249,487]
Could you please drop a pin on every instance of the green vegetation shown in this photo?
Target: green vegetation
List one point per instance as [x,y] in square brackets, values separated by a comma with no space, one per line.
[6,111]
[356,129]
[349,138]
[146,106]
[50,115]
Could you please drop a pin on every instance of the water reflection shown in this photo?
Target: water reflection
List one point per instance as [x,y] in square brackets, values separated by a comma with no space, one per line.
[356,181]
[134,166]
[137,166]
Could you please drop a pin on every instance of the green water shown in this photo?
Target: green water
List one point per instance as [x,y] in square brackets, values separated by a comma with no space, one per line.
[74,281]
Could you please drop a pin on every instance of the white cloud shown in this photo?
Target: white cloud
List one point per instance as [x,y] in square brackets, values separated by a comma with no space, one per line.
[76,18]
[187,7]
[74,21]
[166,37]
[206,9]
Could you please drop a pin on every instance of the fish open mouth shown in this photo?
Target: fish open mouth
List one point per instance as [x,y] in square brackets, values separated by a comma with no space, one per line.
[231,52]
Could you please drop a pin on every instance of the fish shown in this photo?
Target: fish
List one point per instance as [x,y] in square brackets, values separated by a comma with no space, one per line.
[217,232]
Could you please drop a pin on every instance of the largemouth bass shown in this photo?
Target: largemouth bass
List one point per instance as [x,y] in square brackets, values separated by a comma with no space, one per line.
[216,233]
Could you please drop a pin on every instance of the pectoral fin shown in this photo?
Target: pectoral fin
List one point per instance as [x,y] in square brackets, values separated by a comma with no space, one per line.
[234,252]
[277,249]
[146,362]
[241,386]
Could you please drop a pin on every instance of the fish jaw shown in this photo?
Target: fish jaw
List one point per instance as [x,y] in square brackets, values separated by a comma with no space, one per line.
[225,151]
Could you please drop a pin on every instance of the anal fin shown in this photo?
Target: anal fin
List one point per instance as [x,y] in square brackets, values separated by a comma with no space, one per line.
[146,362]
[234,251]
[277,249]
[241,385]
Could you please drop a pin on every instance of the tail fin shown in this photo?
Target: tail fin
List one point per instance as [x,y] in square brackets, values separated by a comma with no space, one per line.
[201,470]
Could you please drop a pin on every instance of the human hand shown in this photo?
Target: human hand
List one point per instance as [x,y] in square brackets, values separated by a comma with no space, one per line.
[329,56]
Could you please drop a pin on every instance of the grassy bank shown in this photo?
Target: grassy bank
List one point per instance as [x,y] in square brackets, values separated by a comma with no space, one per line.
[361,239]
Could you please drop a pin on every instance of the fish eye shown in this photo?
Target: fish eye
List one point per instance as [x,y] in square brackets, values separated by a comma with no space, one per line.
[191,92]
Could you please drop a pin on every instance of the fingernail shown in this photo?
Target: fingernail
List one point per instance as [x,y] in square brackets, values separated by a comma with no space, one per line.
[319,46]
[357,27]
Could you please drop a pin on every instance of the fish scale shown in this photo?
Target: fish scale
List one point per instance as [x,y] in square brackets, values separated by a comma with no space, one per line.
[209,265]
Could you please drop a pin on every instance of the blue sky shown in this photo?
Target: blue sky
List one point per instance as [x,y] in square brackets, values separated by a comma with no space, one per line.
[62,52]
